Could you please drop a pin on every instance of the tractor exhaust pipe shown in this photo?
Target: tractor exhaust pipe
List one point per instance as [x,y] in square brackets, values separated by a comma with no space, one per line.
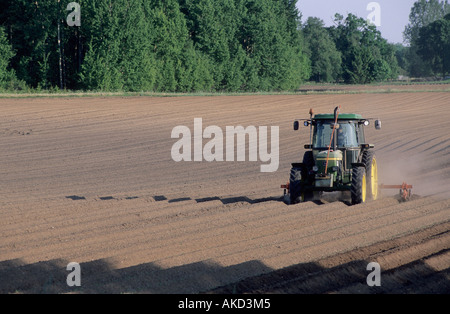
[311,113]
[333,136]
[336,115]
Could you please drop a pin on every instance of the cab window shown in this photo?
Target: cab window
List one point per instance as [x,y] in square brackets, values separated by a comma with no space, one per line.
[349,134]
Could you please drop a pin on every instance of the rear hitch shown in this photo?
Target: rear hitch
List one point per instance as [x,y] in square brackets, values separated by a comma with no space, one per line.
[286,197]
[286,188]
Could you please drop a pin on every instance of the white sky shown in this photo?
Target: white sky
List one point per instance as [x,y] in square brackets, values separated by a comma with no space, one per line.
[394,14]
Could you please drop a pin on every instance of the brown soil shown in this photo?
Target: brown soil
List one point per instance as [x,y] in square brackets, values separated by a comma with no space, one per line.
[92,181]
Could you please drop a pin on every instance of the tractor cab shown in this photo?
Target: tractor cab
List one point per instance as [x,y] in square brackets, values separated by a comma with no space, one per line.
[347,136]
[349,133]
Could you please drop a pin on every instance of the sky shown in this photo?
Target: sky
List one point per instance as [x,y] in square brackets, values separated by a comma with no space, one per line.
[392,18]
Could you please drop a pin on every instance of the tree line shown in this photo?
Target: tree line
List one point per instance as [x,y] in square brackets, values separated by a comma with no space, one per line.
[428,39]
[195,45]
[353,51]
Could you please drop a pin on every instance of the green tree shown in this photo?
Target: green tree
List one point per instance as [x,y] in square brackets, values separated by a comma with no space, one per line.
[32,29]
[160,45]
[326,60]
[358,71]
[401,52]
[121,47]
[6,53]
[434,45]
[277,60]
[212,27]
[197,73]
[366,55]
[100,70]
[422,14]
[136,62]
[170,42]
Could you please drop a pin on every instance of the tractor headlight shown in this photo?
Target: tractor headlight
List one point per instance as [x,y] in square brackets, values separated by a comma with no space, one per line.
[315,168]
[335,168]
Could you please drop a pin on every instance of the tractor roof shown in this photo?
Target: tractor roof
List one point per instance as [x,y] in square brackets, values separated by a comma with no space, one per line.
[342,116]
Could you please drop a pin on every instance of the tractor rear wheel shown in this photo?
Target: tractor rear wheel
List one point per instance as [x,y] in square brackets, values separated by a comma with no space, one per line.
[297,192]
[359,185]
[295,185]
[371,174]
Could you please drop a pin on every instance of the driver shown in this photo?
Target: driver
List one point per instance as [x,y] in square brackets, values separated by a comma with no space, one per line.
[341,138]
[346,136]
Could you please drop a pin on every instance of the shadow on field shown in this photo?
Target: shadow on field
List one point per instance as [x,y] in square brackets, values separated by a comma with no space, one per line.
[100,276]
[224,200]
[239,199]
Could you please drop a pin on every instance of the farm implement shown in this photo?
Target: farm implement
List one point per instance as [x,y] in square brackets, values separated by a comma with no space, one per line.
[405,190]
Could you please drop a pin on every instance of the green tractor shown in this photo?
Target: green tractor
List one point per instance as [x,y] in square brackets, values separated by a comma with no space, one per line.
[338,158]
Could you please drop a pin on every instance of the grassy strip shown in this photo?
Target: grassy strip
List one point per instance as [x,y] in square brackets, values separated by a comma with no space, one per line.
[305,90]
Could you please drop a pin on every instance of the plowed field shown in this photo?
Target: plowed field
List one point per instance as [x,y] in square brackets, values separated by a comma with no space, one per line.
[92,181]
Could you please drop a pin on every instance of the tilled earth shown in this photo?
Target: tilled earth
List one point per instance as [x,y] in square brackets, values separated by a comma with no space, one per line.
[92,181]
